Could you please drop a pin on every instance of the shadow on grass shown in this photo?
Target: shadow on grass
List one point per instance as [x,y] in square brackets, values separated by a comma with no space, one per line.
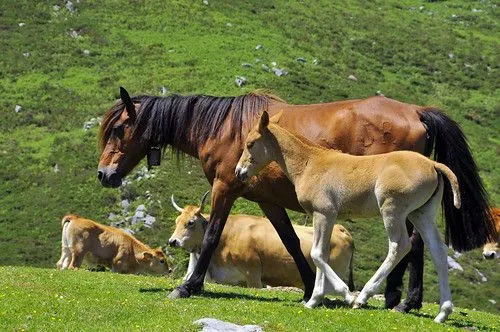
[457,319]
[217,295]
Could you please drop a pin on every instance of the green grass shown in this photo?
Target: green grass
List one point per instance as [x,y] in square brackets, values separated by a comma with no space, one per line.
[445,55]
[47,299]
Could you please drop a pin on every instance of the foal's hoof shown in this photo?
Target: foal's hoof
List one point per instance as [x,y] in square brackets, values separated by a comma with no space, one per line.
[179,293]
[350,298]
[358,305]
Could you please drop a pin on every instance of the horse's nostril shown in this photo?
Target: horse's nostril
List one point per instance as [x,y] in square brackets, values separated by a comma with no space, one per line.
[100,175]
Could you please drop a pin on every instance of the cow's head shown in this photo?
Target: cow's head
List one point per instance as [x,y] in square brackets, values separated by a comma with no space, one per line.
[190,226]
[153,261]
[490,250]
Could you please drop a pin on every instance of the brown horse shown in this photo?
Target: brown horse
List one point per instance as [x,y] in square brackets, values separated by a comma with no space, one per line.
[213,129]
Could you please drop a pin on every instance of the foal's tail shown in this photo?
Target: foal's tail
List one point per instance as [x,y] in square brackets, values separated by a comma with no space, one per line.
[452,178]
[472,225]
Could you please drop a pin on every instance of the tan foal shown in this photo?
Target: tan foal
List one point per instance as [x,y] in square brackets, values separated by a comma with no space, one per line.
[331,184]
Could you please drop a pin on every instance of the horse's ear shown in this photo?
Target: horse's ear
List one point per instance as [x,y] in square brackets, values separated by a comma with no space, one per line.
[264,121]
[129,105]
[276,118]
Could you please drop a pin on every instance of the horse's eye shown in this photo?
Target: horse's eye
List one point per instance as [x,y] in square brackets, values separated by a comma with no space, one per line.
[118,131]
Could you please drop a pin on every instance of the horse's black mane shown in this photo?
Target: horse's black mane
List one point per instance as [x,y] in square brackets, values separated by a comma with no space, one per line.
[176,119]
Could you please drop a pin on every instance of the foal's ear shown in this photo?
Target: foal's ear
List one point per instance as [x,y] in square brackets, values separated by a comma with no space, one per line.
[129,105]
[276,118]
[264,121]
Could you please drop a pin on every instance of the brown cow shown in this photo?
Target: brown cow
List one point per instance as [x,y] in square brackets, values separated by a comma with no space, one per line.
[107,246]
[490,250]
[251,253]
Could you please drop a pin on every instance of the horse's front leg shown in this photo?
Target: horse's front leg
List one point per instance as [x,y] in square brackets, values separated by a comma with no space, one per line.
[222,201]
[281,222]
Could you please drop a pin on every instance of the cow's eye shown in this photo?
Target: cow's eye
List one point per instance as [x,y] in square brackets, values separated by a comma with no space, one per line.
[250,144]
[191,223]
[162,261]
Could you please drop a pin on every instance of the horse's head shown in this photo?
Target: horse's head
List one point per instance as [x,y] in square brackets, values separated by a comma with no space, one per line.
[259,147]
[121,144]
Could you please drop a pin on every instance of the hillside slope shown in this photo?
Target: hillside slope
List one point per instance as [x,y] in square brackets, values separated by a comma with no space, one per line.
[61,67]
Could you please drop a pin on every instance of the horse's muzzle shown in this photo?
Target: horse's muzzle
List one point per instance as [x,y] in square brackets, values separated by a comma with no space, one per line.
[109,178]
[241,174]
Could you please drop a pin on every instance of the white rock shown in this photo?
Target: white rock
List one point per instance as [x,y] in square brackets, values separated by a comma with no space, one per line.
[492,301]
[215,325]
[18,108]
[453,265]
[240,81]
[205,2]
[27,54]
[141,207]
[21,24]
[86,52]
[56,8]
[56,168]
[259,47]
[482,276]
[352,78]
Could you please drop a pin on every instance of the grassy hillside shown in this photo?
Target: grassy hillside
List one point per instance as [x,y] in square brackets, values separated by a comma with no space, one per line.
[43,299]
[60,68]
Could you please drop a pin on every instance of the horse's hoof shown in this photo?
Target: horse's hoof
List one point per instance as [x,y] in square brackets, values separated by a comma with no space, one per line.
[402,307]
[179,293]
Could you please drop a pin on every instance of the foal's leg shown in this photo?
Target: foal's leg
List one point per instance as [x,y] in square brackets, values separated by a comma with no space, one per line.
[320,253]
[279,218]
[399,246]
[414,260]
[424,220]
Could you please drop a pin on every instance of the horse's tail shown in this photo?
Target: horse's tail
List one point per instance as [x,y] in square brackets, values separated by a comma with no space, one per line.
[452,178]
[471,226]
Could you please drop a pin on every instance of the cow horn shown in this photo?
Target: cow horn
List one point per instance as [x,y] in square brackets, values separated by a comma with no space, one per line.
[177,207]
[202,205]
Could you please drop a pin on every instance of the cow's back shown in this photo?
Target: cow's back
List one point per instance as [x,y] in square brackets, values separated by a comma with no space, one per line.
[248,241]
[101,241]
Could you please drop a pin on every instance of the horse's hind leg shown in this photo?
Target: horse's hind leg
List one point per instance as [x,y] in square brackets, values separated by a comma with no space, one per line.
[424,220]
[416,280]
[320,253]
[414,260]
[399,246]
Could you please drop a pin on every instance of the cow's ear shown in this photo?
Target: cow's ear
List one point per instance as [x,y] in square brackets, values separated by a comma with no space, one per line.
[146,255]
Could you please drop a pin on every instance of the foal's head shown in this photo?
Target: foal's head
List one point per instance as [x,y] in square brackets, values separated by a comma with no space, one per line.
[121,148]
[259,147]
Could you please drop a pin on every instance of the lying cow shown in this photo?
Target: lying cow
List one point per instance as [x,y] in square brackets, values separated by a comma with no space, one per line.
[107,246]
[250,252]
[490,250]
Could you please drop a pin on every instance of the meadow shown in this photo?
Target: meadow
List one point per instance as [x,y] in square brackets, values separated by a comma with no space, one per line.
[60,69]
